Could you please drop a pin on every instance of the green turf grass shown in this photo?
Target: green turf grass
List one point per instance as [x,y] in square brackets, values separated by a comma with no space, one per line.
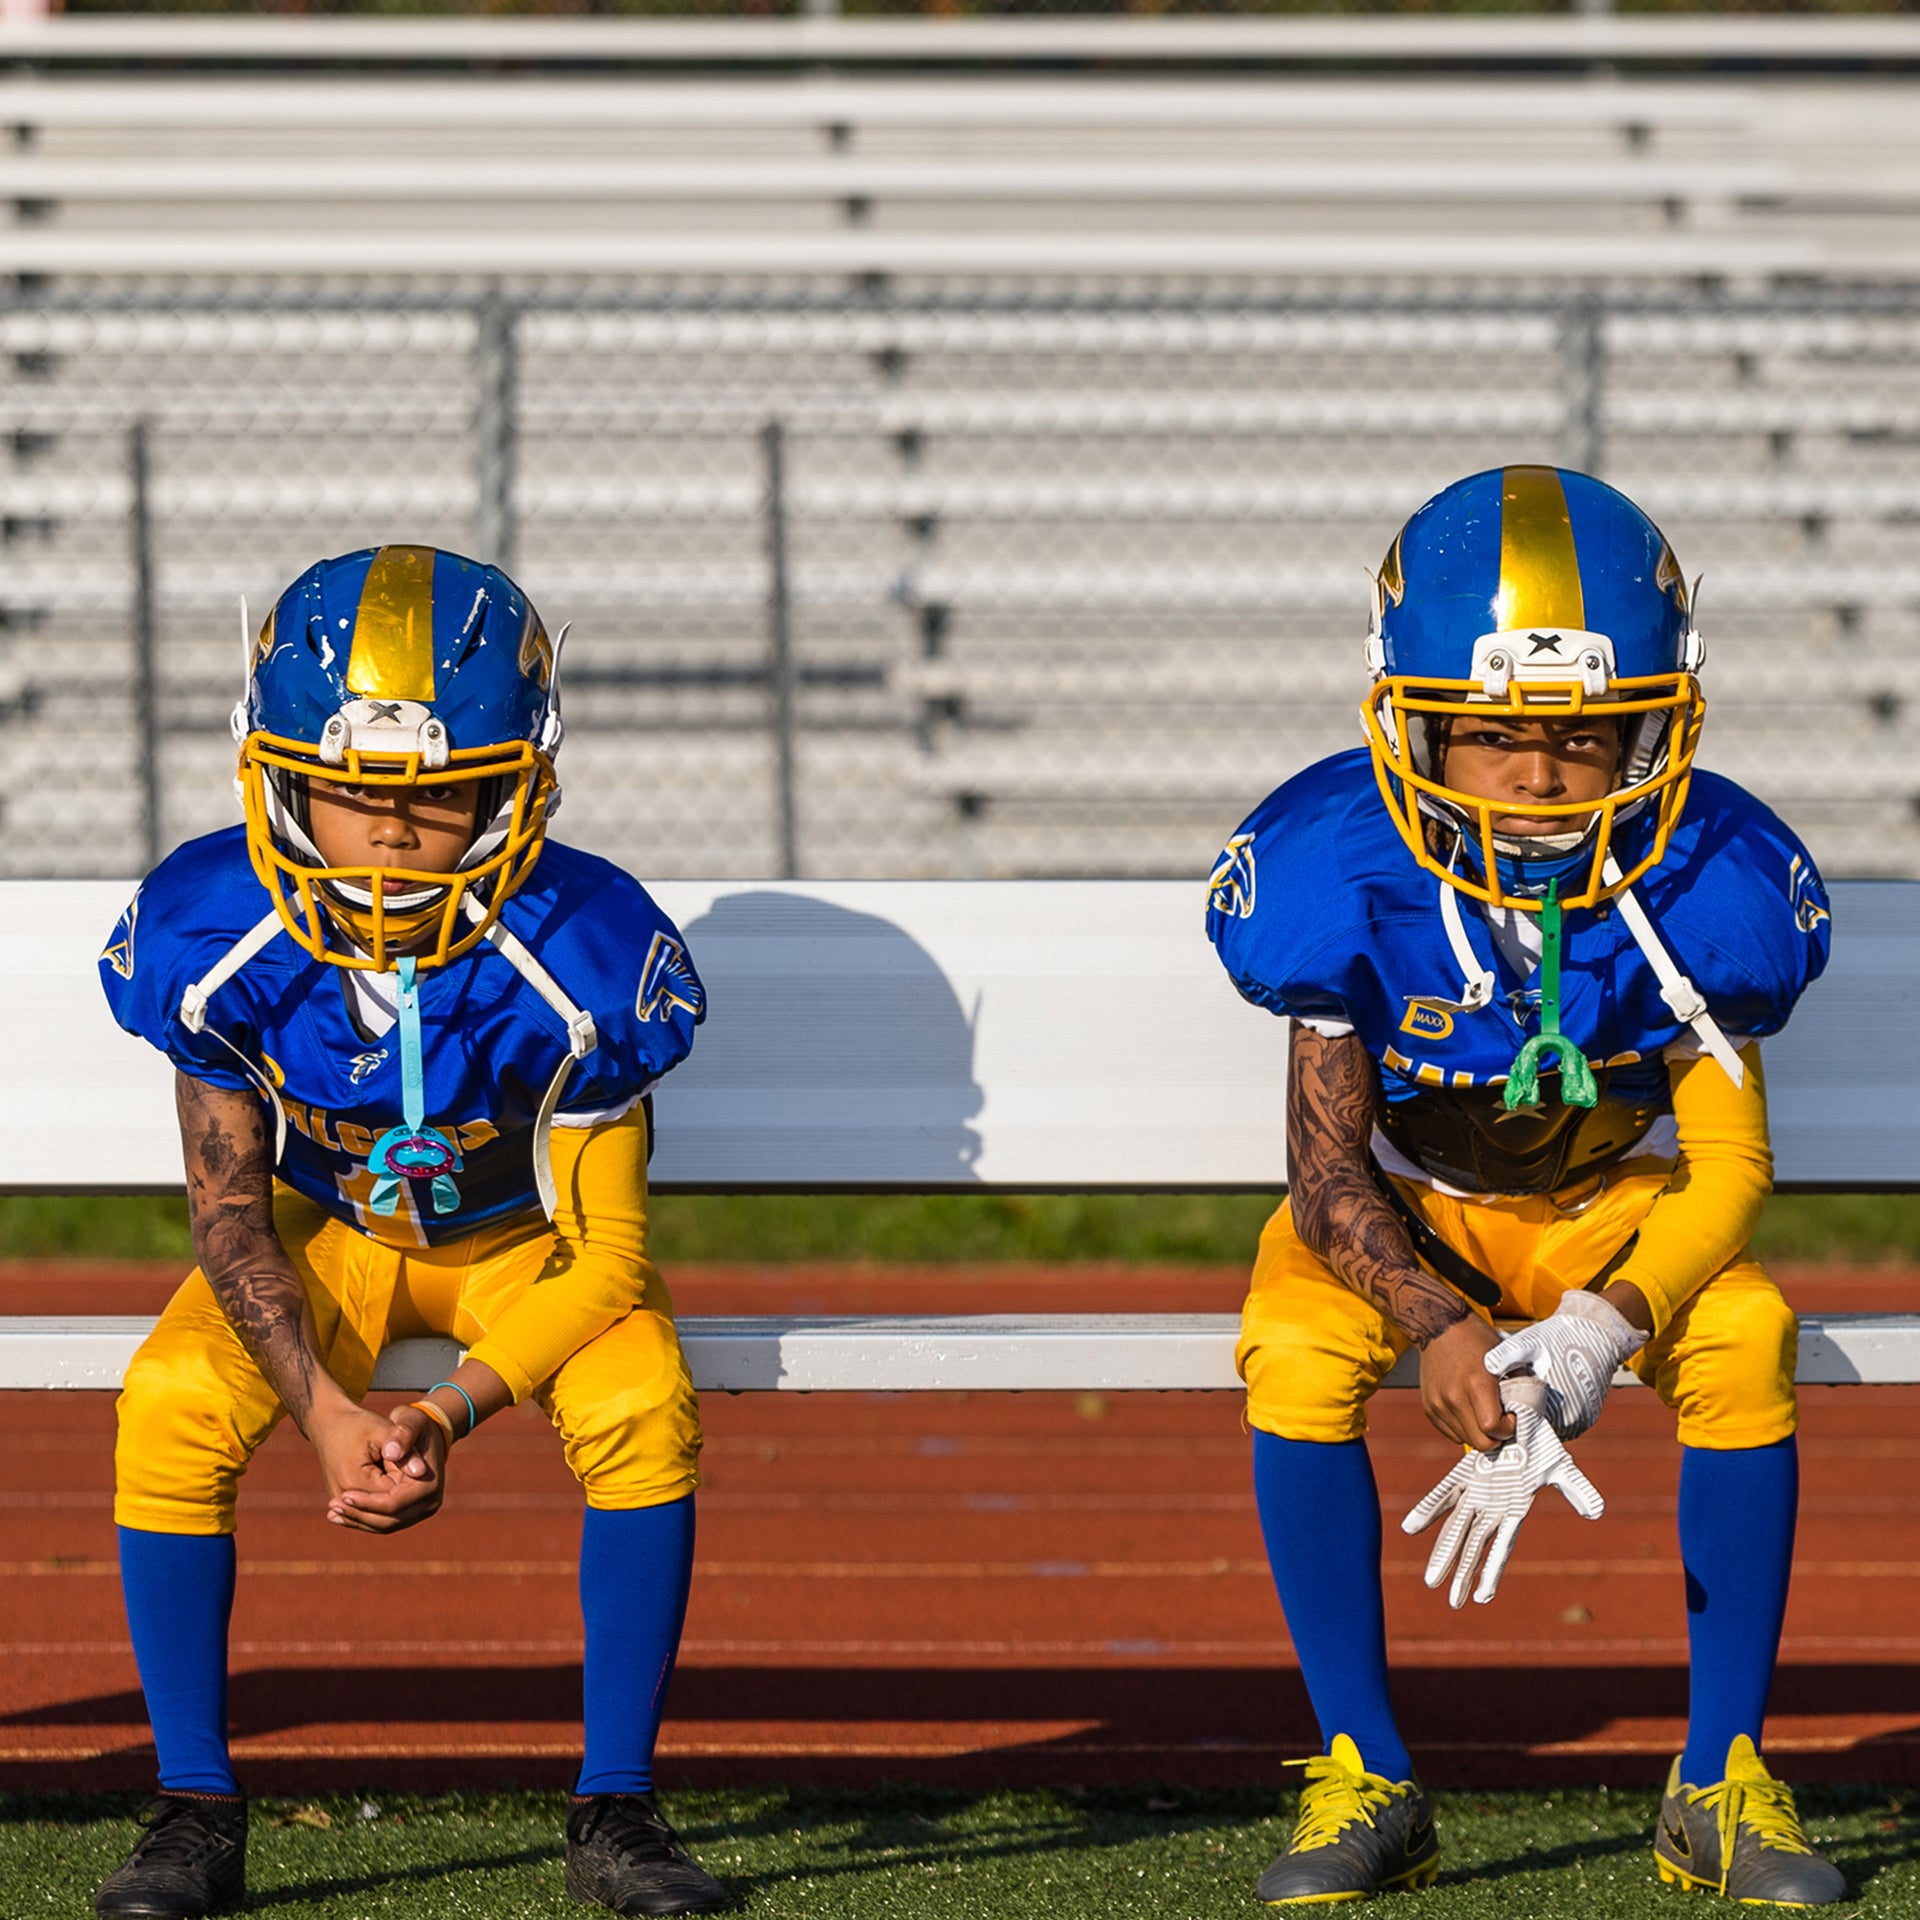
[1170,1227]
[907,1855]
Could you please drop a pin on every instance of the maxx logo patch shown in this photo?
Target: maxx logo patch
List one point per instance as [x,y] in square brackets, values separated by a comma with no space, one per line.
[1430,1018]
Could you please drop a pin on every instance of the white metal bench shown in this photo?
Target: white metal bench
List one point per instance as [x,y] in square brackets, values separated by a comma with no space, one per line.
[940,1036]
[1576,41]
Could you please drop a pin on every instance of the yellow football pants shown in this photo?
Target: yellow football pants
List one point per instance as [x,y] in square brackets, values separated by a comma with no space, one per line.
[195,1406]
[1312,1351]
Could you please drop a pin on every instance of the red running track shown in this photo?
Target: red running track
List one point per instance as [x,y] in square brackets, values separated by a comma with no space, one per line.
[960,1588]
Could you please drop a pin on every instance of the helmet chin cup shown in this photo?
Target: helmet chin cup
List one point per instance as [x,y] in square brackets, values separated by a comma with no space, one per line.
[405,918]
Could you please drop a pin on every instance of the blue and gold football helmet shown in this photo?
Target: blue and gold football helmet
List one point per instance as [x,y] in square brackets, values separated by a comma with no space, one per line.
[1539,593]
[398,667]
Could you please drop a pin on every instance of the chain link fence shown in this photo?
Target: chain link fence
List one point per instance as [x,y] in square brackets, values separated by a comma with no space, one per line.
[893,579]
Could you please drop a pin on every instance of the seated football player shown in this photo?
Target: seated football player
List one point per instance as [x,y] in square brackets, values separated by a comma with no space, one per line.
[413,1043]
[1527,954]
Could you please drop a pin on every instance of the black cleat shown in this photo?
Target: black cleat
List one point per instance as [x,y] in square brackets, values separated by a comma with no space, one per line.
[1357,1834]
[622,1854]
[191,1860]
[1741,1837]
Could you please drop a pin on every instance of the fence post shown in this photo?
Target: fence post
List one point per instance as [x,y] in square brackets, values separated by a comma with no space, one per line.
[780,675]
[494,354]
[1583,381]
[146,688]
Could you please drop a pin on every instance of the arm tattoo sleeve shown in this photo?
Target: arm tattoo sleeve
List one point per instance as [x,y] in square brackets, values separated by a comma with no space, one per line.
[229,1165]
[1337,1210]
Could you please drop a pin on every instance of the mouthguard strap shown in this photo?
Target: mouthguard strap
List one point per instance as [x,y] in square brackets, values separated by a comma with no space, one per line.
[1578,1088]
[385,1199]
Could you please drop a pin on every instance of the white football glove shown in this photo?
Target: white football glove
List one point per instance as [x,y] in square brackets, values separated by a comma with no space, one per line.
[1573,1353]
[1488,1494]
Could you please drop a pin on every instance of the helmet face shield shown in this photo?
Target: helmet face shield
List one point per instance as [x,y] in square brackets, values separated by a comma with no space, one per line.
[345,914]
[397,671]
[1442,823]
[1533,597]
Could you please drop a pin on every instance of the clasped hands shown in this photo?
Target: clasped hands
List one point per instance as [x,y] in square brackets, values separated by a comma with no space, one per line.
[384,1471]
[1551,1380]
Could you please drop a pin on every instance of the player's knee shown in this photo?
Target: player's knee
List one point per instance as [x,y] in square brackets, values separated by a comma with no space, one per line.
[628,1415]
[1302,1387]
[1733,1384]
[1761,1323]
[178,1452]
[637,1450]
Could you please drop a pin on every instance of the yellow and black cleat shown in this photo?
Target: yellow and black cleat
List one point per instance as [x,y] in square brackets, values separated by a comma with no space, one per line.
[1741,1838]
[1357,1834]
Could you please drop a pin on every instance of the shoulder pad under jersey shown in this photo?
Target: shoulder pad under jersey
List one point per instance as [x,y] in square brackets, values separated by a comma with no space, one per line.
[1301,888]
[607,943]
[1742,906]
[185,917]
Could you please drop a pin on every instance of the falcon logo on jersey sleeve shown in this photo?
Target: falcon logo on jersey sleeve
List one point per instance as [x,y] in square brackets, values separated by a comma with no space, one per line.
[119,953]
[668,980]
[1230,887]
[1809,898]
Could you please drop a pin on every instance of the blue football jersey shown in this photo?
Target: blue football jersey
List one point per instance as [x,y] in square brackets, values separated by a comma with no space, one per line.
[491,1045]
[1317,910]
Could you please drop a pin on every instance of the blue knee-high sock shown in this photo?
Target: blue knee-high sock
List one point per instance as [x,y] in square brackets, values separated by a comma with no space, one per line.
[635,1567]
[179,1594]
[1320,1512]
[1737,1513]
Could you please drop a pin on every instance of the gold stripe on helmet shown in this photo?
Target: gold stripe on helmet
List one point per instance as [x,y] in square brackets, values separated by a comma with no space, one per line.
[392,657]
[1539,570]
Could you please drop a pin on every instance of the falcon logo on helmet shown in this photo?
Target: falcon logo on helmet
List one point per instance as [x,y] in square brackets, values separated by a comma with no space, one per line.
[391,669]
[1534,594]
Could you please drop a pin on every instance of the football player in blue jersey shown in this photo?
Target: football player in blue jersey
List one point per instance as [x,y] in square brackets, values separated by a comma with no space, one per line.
[413,1042]
[1527,953]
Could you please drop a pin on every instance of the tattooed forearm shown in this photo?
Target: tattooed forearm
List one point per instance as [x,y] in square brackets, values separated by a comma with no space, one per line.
[1337,1210]
[229,1163]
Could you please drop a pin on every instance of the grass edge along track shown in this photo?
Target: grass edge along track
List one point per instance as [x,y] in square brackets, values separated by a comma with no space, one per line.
[900,1852]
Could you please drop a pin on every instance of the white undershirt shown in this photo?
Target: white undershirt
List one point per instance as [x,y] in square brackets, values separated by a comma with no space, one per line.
[1518,937]
[375,1000]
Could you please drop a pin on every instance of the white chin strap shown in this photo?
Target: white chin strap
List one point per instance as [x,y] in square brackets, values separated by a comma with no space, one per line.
[193,1015]
[1684,1000]
[1476,983]
[582,1039]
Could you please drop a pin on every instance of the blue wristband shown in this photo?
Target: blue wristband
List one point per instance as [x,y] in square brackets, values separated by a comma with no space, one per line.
[473,1416]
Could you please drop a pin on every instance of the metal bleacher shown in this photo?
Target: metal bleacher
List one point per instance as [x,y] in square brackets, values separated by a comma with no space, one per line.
[1090,395]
